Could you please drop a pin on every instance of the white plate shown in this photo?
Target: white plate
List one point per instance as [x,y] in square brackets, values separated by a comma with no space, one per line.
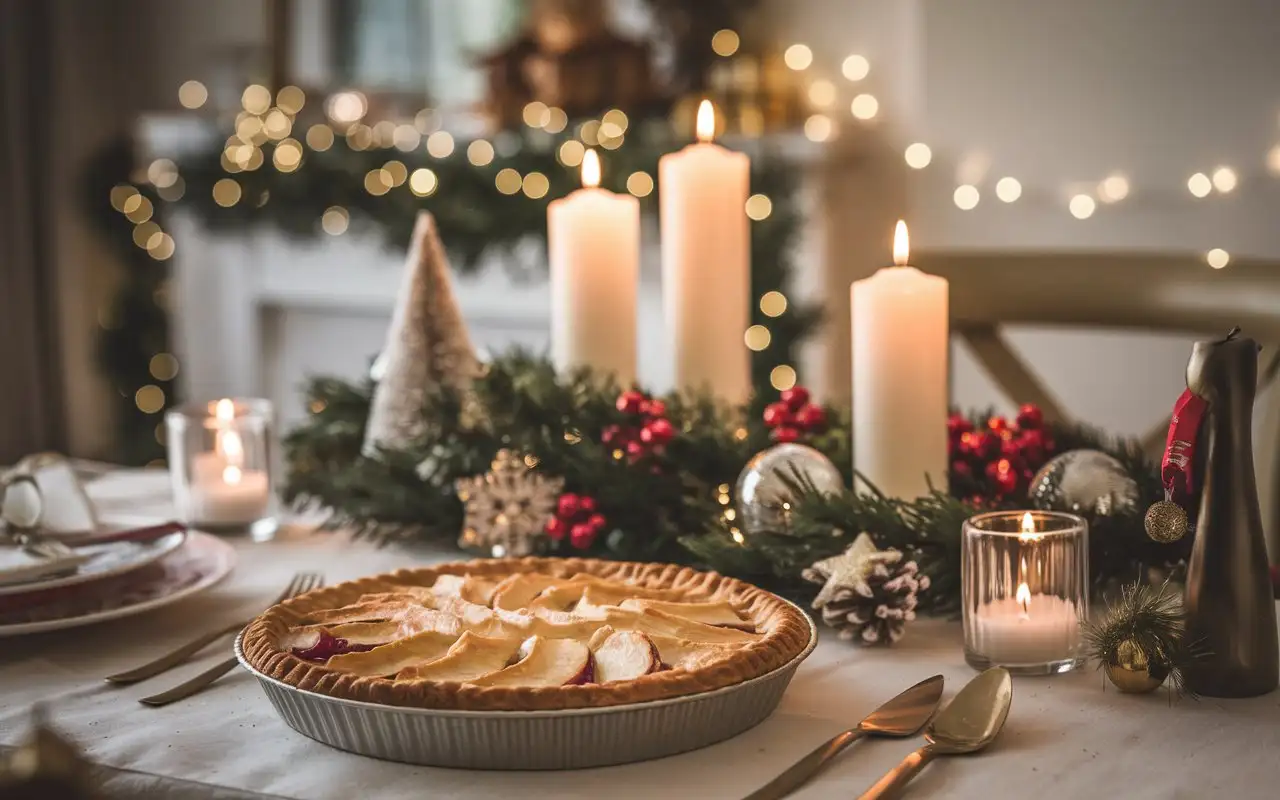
[105,561]
[202,562]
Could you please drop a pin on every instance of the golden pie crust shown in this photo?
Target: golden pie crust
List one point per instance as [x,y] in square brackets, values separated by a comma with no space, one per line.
[784,632]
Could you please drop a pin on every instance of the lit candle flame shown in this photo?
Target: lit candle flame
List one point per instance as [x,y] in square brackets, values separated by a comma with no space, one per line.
[231,475]
[1028,528]
[901,244]
[225,410]
[1023,598]
[706,121]
[232,448]
[590,169]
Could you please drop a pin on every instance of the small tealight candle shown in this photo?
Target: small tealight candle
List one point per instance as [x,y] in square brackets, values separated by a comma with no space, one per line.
[1025,577]
[219,465]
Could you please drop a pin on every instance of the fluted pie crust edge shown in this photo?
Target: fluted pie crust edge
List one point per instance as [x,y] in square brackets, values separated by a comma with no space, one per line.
[785,634]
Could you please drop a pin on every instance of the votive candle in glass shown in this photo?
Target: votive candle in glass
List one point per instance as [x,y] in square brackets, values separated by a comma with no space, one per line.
[220,463]
[1025,590]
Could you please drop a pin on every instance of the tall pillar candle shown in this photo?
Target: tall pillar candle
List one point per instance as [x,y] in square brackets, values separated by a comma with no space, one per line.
[900,376]
[593,236]
[706,263]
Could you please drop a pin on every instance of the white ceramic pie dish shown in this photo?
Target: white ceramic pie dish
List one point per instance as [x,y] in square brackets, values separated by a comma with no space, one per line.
[509,740]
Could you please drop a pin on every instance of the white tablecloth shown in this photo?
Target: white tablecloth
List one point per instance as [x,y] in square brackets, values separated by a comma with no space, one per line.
[1066,737]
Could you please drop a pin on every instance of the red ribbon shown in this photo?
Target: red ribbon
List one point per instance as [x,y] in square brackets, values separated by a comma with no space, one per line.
[1180,447]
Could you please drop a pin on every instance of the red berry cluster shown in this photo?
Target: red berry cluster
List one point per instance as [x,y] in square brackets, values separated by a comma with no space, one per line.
[577,518]
[646,433]
[793,416]
[999,459]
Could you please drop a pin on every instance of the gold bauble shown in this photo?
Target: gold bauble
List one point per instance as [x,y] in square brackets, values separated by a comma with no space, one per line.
[1132,671]
[1166,522]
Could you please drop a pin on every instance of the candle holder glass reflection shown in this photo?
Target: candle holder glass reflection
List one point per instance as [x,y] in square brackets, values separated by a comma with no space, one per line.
[220,457]
[1026,578]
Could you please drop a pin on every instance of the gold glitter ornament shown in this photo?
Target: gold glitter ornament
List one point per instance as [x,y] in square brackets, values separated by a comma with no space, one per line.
[507,508]
[1166,521]
[1133,670]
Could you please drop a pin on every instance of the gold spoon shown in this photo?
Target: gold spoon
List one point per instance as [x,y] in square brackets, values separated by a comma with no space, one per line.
[969,723]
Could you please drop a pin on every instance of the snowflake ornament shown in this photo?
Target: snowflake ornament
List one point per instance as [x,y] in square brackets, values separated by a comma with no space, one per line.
[507,508]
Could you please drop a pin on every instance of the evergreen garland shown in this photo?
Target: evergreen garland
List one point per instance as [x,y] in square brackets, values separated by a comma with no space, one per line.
[668,506]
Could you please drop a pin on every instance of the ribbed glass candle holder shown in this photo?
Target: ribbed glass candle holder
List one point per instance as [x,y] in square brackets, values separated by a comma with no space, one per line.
[1026,590]
[220,461]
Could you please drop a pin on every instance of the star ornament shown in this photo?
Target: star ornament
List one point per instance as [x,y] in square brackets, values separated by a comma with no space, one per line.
[847,570]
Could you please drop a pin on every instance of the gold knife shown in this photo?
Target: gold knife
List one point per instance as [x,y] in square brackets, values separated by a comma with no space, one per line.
[901,717]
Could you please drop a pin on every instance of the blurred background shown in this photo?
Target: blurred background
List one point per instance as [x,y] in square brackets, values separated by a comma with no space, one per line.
[201,199]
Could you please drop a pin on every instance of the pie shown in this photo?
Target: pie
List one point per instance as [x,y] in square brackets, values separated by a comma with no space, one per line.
[526,634]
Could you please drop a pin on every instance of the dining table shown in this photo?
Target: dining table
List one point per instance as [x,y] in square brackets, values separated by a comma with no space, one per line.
[1067,736]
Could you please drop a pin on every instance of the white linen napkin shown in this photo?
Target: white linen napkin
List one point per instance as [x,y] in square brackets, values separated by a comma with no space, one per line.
[19,566]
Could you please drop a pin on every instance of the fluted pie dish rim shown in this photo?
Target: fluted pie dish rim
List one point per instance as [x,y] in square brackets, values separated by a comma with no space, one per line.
[784,634]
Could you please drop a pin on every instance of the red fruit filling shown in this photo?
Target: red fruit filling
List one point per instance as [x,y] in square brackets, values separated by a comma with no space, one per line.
[328,646]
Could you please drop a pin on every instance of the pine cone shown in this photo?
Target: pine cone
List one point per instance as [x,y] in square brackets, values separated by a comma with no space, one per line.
[871,600]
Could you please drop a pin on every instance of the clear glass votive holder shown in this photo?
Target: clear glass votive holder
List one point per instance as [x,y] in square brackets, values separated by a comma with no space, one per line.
[220,456]
[1025,591]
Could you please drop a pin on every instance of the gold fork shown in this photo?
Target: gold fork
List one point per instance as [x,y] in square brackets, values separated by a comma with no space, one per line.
[301,582]
[186,689]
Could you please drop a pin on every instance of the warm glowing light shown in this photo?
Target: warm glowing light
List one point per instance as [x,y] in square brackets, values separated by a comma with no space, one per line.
[163,366]
[426,121]
[966,197]
[1199,185]
[226,192]
[757,338]
[288,155]
[231,446]
[614,122]
[162,173]
[591,169]
[558,120]
[818,128]
[149,399]
[918,155]
[377,182]
[822,93]
[507,181]
[1008,189]
[423,182]
[440,144]
[231,475]
[277,124]
[1082,206]
[798,57]
[224,410]
[571,153]
[535,185]
[1273,160]
[173,192]
[901,244]
[346,107]
[142,234]
[160,246]
[398,171]
[406,138]
[1224,179]
[480,153]
[855,67]
[291,99]
[759,207]
[536,114]
[1113,188]
[865,106]
[1023,598]
[192,94]
[706,125]
[320,137]
[1028,527]
[640,184]
[589,132]
[335,220]
[1217,258]
[773,304]
[121,194]
[725,42]
[256,99]
[782,377]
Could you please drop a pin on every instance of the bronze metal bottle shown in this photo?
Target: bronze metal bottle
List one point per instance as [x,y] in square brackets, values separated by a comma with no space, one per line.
[1229,604]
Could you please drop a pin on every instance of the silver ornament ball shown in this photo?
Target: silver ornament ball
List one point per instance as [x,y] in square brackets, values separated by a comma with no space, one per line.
[762,493]
[1084,481]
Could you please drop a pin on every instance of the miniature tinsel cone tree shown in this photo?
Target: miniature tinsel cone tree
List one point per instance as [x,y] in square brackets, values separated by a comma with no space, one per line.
[427,345]
[867,595]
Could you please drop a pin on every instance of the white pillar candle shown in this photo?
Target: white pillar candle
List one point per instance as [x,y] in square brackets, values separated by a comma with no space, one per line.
[900,376]
[1027,629]
[706,263]
[593,237]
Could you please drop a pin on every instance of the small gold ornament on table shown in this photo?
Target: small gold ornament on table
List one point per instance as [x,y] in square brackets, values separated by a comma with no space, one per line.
[507,508]
[1140,641]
